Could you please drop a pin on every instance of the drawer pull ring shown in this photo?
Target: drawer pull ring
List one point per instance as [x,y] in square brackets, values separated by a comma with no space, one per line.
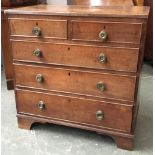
[99,115]
[39,78]
[36,31]
[100,86]
[41,105]
[37,52]
[102,58]
[103,35]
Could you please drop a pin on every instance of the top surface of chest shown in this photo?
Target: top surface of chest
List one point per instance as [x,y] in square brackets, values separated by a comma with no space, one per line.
[73,10]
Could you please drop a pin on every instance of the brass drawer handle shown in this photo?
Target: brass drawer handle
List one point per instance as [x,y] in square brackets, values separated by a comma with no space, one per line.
[100,86]
[102,58]
[39,78]
[99,115]
[37,52]
[103,35]
[36,31]
[41,105]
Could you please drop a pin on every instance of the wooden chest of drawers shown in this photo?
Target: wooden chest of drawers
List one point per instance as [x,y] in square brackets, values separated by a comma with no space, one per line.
[79,66]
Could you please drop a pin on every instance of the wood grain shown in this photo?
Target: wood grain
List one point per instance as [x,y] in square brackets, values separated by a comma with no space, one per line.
[115,30]
[76,110]
[76,81]
[119,59]
[73,10]
[49,28]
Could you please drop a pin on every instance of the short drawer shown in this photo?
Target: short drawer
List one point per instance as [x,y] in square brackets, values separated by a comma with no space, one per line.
[98,57]
[76,81]
[39,28]
[75,110]
[116,32]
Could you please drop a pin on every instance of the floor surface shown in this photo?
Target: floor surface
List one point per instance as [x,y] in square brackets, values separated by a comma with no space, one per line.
[58,140]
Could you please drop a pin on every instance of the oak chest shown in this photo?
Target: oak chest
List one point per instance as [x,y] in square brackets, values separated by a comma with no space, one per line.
[79,66]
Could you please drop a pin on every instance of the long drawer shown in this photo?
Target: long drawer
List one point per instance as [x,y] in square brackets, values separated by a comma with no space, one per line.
[39,28]
[96,31]
[98,57]
[75,110]
[76,81]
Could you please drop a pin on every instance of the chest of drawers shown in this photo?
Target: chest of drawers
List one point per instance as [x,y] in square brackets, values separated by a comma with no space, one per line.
[79,66]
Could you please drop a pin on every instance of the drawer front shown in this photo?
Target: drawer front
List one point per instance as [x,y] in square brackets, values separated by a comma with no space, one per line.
[107,32]
[76,81]
[120,59]
[76,110]
[39,28]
